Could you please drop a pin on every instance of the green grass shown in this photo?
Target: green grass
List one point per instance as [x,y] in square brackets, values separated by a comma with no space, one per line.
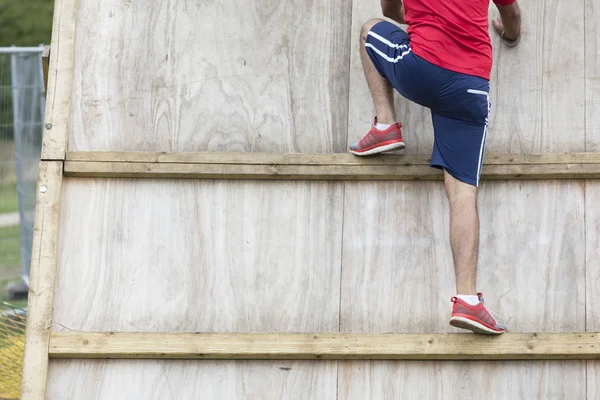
[10,261]
[9,248]
[25,22]
[9,202]
[22,304]
[8,178]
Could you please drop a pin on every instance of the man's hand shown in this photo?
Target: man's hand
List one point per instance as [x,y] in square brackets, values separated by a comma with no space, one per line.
[508,26]
[393,9]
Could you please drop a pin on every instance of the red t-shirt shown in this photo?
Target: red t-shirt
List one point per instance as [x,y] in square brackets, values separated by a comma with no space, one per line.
[452,34]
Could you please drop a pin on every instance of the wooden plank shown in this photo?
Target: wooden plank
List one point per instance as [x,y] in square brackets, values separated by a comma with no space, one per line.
[592,120]
[223,256]
[248,158]
[197,256]
[396,258]
[163,77]
[42,280]
[592,251]
[205,379]
[319,172]
[592,218]
[396,234]
[45,66]
[321,159]
[60,80]
[593,380]
[462,380]
[592,75]
[380,346]
[543,109]
[246,171]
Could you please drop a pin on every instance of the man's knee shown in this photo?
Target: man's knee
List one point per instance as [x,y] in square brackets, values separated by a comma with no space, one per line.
[367,27]
[459,193]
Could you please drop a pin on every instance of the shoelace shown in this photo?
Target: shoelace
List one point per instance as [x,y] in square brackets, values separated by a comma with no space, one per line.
[493,314]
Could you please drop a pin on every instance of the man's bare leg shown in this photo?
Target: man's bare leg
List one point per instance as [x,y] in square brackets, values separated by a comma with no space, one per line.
[468,312]
[381,89]
[464,233]
[386,134]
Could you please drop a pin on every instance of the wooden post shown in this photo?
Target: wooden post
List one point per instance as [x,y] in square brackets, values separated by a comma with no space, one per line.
[42,280]
[45,65]
[60,80]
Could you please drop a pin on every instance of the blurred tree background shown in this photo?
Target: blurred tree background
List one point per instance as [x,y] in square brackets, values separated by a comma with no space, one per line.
[25,22]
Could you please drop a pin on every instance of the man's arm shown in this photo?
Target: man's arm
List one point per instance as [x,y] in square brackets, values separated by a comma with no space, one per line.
[509,26]
[393,9]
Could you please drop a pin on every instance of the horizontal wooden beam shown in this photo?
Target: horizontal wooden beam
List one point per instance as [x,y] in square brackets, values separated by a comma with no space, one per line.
[258,346]
[336,171]
[249,171]
[341,159]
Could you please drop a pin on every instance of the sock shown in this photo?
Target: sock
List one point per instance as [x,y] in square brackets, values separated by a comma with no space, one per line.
[469,299]
[381,127]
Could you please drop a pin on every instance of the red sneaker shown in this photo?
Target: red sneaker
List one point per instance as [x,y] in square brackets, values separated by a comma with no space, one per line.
[377,141]
[475,318]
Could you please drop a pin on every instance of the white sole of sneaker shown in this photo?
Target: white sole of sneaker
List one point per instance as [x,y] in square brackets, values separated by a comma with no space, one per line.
[382,149]
[474,326]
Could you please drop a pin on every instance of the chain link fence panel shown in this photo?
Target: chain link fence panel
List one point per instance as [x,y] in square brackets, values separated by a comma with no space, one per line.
[22,104]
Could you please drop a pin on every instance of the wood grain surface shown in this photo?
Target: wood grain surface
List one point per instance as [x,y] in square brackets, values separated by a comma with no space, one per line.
[321,172]
[322,159]
[324,346]
[211,76]
[538,88]
[592,217]
[592,75]
[42,280]
[60,81]
[397,264]
[592,254]
[176,380]
[199,256]
[462,380]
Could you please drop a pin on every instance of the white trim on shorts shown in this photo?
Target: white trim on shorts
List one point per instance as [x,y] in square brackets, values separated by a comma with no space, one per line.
[481,149]
[385,41]
[390,44]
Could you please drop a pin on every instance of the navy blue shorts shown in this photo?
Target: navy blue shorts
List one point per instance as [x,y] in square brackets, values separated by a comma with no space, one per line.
[459,103]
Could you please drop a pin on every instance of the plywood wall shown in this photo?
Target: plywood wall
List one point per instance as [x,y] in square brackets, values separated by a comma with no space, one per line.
[211,76]
[189,255]
[197,256]
[592,75]
[168,77]
[176,380]
[592,279]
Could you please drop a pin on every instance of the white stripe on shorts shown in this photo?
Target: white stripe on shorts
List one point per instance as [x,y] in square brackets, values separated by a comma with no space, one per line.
[487,95]
[385,41]
[481,150]
[384,56]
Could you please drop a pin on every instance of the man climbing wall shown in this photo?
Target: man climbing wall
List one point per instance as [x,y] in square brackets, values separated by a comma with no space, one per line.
[442,62]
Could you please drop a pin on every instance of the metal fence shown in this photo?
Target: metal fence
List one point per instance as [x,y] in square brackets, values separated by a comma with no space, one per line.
[22,103]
